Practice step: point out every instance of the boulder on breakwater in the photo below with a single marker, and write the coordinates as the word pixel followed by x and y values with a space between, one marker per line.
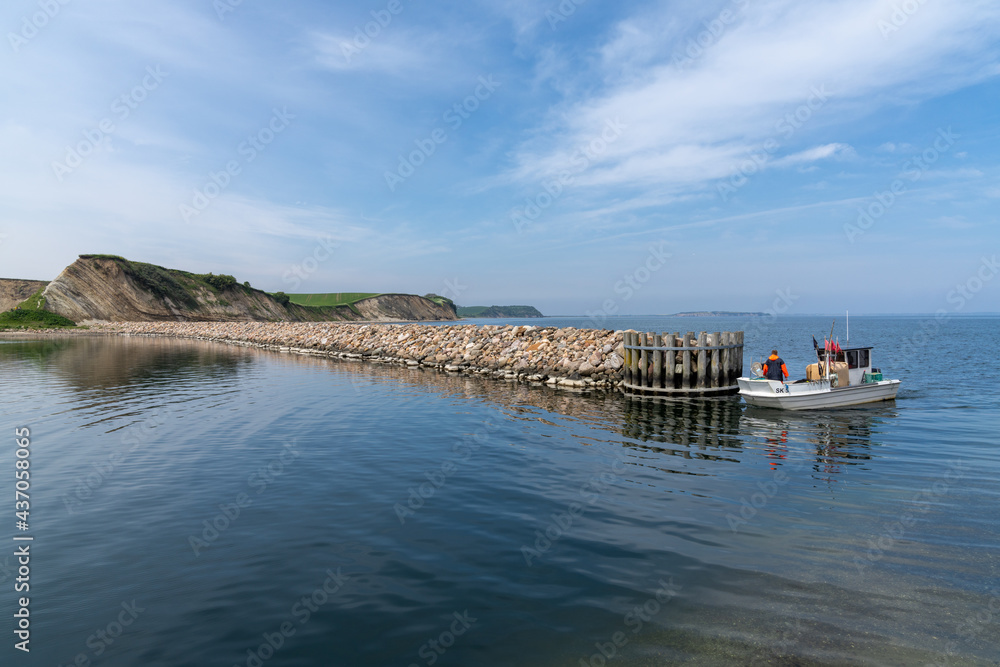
pixel 558 356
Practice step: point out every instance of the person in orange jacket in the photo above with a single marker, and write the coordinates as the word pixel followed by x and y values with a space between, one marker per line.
pixel 774 367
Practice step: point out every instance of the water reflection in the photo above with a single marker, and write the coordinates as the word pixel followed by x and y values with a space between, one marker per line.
pixel 702 428
pixel 745 591
pixel 707 429
pixel 104 362
pixel 836 438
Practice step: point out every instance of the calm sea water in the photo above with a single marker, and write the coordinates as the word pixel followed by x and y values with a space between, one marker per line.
pixel 198 504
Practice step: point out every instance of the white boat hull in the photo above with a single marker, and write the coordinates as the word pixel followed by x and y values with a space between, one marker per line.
pixel 813 395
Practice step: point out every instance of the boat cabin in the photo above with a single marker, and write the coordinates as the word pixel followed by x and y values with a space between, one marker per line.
pixel 856 361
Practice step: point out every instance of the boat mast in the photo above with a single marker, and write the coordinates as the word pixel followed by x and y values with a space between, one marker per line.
pixel 829 349
pixel 848 339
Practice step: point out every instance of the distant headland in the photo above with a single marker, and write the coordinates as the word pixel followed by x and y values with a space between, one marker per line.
pixel 498 311
pixel 718 313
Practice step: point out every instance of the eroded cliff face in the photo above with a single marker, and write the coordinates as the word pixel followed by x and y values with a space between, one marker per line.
pixel 390 307
pixel 13 292
pixel 103 289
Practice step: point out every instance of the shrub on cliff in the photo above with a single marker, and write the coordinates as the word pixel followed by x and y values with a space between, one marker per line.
pixel 100 256
pixel 220 282
pixel 158 281
pixel 281 298
pixel 438 299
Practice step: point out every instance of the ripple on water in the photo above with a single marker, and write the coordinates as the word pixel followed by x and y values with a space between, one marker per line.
pixel 550 517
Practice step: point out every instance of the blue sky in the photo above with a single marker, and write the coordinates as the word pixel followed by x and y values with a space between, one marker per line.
pixel 628 157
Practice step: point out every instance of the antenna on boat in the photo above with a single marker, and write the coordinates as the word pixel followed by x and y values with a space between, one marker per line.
pixel 829 350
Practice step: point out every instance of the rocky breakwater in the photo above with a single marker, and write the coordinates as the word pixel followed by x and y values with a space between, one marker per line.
pixel 566 357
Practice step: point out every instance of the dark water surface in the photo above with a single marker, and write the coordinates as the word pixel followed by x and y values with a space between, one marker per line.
pixel 462 521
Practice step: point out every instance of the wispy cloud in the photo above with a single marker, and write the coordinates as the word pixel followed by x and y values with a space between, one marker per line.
pixel 813 155
pixel 689 126
pixel 399 54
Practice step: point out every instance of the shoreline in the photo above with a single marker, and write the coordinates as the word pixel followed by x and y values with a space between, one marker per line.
pixel 562 357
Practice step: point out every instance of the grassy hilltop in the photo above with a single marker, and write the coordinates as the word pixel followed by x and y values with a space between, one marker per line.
pixel 110 288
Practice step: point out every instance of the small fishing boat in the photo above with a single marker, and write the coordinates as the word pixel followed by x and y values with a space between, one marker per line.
pixel 840 377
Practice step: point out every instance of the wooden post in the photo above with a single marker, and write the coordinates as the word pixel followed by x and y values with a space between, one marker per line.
pixel 678 361
pixel 724 360
pixel 627 368
pixel 669 362
pixel 643 361
pixel 716 360
pixel 736 357
pixel 636 379
pixel 710 361
pixel 686 363
pixel 702 361
pixel 739 368
pixel 634 365
pixel 658 362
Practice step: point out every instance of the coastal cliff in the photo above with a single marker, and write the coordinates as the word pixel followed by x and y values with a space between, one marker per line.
pixel 13 292
pixel 106 288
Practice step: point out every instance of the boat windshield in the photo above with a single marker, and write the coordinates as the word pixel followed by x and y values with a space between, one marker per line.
pixel 858 358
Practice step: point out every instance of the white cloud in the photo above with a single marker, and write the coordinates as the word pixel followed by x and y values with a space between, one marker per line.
pixel 688 126
pixel 902 147
pixel 397 54
pixel 813 155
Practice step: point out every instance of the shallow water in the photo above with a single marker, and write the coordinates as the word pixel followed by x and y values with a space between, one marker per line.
pixel 462 521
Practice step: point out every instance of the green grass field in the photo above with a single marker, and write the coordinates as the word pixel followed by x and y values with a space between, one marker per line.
pixel 33 319
pixel 332 299
pixel 29 315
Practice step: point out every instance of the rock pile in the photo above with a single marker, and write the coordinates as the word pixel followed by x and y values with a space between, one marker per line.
pixel 565 357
